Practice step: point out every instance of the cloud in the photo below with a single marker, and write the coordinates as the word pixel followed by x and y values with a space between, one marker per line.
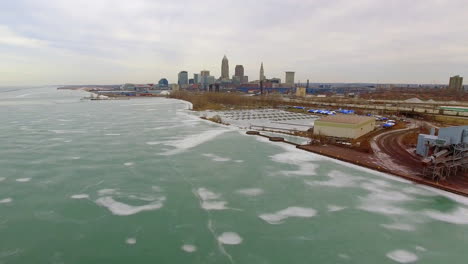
pixel 116 41
pixel 8 37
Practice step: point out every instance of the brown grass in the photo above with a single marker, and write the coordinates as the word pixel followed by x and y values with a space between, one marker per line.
pixel 220 101
pixel 411 139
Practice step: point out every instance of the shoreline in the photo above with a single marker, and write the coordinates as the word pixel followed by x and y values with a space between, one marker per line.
pixel 364 164
pixel 321 150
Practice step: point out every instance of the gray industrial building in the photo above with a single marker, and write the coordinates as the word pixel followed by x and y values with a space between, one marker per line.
pixel 445 154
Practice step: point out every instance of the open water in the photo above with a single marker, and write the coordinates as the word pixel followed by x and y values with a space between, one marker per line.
pixel 147 181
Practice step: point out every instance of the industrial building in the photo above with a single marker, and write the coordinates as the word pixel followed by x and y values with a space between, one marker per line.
pixel 445 154
pixel 344 126
pixel 300 91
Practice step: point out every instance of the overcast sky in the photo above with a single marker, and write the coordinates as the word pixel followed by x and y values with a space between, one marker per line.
pixel 141 41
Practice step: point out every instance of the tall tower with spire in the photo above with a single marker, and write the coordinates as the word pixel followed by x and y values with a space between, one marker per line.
pixel 225 68
pixel 262 73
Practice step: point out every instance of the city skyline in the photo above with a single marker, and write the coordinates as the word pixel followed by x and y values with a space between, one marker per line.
pixel 102 42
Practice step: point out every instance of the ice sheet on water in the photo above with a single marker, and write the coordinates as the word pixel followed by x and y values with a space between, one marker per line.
pixel 278 217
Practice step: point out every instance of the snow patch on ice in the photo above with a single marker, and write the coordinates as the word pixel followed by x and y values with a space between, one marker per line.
pixel 6 200
pixel 67 131
pixel 112 134
pixel 23 179
pixel 216 158
pixel 122 209
pixel 2 179
pixel 192 141
pixel 131 241
pixel 419 248
pixel 335 208
pixel 418 191
pixel 129 164
pixel 206 194
pixel 152 143
pixel 156 188
pixel 80 196
pixel 399 226
pixel 402 256
pixel 382 208
pixel 214 205
pixel 107 191
pixel 302 160
pixel 454 197
pixel 189 248
pixel 251 192
pixel 337 179
pixel 210 200
pixel 230 238
pixel 278 217
pixel 458 216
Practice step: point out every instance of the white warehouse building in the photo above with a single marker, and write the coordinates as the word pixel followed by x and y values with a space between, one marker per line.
pixel 344 126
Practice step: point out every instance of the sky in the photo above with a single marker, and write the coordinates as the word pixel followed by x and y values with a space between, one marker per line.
pixel 141 41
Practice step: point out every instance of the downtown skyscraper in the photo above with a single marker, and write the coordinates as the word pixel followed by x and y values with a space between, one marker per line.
pixel 225 68
pixel 262 73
